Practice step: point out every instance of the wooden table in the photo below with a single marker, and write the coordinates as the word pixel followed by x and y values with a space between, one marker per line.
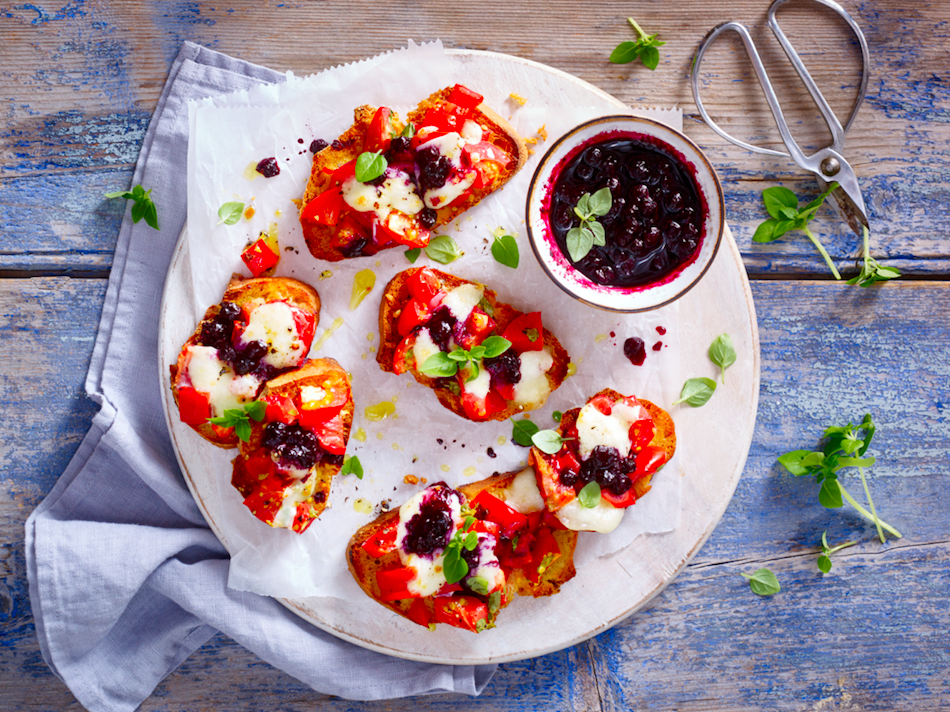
pixel 80 81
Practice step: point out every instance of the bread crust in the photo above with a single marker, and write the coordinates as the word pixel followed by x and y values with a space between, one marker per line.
pixel 250 293
pixel 350 145
pixel 395 297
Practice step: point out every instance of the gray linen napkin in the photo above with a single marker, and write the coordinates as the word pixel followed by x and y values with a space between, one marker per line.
pixel 126 580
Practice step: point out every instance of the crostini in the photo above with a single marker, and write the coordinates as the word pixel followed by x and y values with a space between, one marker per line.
pixel 459 556
pixel 484 359
pixel 610 450
pixel 263 327
pixel 384 183
pixel 285 467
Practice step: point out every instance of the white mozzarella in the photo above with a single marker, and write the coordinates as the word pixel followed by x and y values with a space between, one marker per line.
pixel 533 388
pixel 594 428
pixel 603 518
pixel 523 495
pixel 273 323
pixel 429 576
pixel 209 374
pixel 454 187
pixel 461 300
pixel 293 495
pixel 424 347
pixel 397 193
pixel 480 385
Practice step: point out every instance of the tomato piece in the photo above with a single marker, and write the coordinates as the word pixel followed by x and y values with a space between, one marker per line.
pixel 403 354
pixel 303 518
pixel 485 527
pixel 505 390
pixel 642 433
pixel 340 175
pixel 534 520
pixel 424 135
pixel 480 409
pixel 259 257
pixel 552 522
pixel 194 406
pixel 466 612
pixel 266 500
pixel 495 403
pixel 423 285
pixel 331 434
pixel 414 313
pixel 622 501
pixel 306 326
pixel 650 459
pixel 394 583
pixel 526 333
pixel 544 552
pixel 475 330
pixel 418 613
pixel 379 134
pixel 280 409
pixel 443 119
pixel 325 209
pixel 605 404
pixel 555 494
pixel 331 394
pixel 383 541
pixel 401 228
pixel 464 97
pixel 495 510
pixel 349 230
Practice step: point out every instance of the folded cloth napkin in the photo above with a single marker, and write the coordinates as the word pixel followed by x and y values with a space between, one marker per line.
pixel 126 579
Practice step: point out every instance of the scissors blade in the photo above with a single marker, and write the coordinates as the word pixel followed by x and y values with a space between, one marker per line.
pixel 848 199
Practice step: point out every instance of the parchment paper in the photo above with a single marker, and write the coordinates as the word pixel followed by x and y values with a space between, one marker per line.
pixel 421 437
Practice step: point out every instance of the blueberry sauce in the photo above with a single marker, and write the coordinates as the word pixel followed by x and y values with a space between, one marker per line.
pixel 217 333
pixel 268 167
pixel 635 350
pixel 317 145
pixel 294 445
pixel 430 530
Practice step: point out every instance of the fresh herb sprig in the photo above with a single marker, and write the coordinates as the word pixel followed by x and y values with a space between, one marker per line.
pixel 142 204
pixel 644 48
pixel 522 430
pixel 844 446
pixel 445 364
pixel 352 466
pixel 230 213
pixel 782 205
pixel 696 392
pixel 370 166
pixel 454 566
pixel 582 238
pixel 872 272
pixel 763 582
pixel 239 418
pixel 824 559
pixel 504 249
pixel 722 353
pixel 548 441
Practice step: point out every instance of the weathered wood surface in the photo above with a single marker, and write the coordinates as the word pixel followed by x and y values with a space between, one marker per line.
pixel 80 80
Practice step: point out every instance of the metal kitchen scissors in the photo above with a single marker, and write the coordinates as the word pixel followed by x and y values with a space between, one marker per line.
pixel 828 164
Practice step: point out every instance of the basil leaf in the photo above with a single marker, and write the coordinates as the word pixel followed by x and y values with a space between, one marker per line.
pixel 352 466
pixel 230 213
pixel 722 353
pixel 439 365
pixel 256 409
pixel 478 584
pixel 477 352
pixel 830 494
pixel 460 355
pixel 579 242
pixel 600 235
pixel 765 232
pixel 763 583
pixel 589 496
pixel 792 461
pixel 242 429
pixel 547 441
pixel 650 57
pixel 522 430
pixel 120 194
pixel 776 198
pixel 824 564
pixel 625 52
pixel 454 566
pixel 697 392
pixel 412 254
pixel 495 346
pixel 505 251
pixel 470 541
pixel 443 249
pixel 473 370
pixel 600 202
pixel 370 166
pixel 557 415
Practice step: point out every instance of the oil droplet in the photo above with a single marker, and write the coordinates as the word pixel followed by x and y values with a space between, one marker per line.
pixel 395 399
pixel 337 323
pixel 502 440
pixel 469 472
pixel 445 468
pixel 363 506
pixel 251 171
pixel 325 274
pixel 278 213
pixel 363 356
pixel 600 337
pixel 372 349
pixel 480 460
pixel 379 436
pixel 571 369
pixel 249 212
pixel 380 411
pixel 378 263
pixel 370 336
pixel 395 446
pixel 360 435
pixel 363 283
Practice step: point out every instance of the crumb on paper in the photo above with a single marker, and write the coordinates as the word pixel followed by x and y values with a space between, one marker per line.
pixel 411 480
pixel 297 201
pixel 543 132
pixel 517 99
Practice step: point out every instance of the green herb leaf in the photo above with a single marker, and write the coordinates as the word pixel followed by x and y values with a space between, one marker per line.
pixel 370 166
pixel 256 409
pixel 579 242
pixel 478 584
pixel 763 582
pixel 522 430
pixel 625 52
pixel 600 202
pixel 495 346
pixel 230 213
pixel 454 566
pixel 494 602
pixel 352 466
pixel 792 461
pixel 643 48
pixel 697 392
pixel 777 199
pixel 238 418
pixel 589 496
pixel 443 249
pixel 824 564
pixel 142 206
pixel 439 365
pixel 765 232
pixel 505 251
pixel 830 494
pixel 871 272
pixel 412 254
pixel 547 441
pixel 722 353
pixel 557 415
pixel 650 56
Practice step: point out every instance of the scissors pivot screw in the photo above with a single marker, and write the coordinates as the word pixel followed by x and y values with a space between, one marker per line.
pixel 830 166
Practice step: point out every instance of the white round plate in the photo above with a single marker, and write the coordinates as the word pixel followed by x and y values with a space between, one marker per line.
pixel 713 442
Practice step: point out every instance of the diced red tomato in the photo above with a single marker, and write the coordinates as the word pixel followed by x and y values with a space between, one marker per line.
pixel 466 612
pixel 605 404
pixel 480 408
pixel 280 409
pixel 650 459
pixel 414 313
pixel 418 613
pixel 379 135
pixel 194 406
pixel 619 501
pixel 464 97
pixel 543 553
pixel 339 175
pixel 497 511
pixel 350 229
pixel 475 330
pixel 526 333
pixel 494 402
pixel 336 393
pixel 505 390
pixel 555 494
pixel 259 257
pixel 423 285
pixel 382 542
pixel 443 119
pixel 552 522
pixel 485 527
pixel 534 520
pixel 394 583
pixel 325 209
pixel 401 228
pixel 266 499
pixel 260 463
pixel 642 432
pixel 448 589
pixel 303 517
pixel 402 354
pixel 566 460
pixel 306 326
pixel 331 434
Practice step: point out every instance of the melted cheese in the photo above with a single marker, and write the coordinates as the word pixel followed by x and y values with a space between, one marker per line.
pixel 594 428
pixel 456 186
pixel 209 374
pixel 460 179
pixel 397 193
pixel 523 495
pixel 461 300
pixel 480 385
pixel 472 131
pixel 293 496
pixel 273 323
pixel 603 518
pixel 533 388
pixel 429 576
pixel 423 347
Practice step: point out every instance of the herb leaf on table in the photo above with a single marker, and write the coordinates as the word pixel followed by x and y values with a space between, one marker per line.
pixel 722 353
pixel 872 272
pixel 230 213
pixel 763 582
pixel 644 48
pixel 696 392
pixel 824 559
pixel 505 249
pixel 142 204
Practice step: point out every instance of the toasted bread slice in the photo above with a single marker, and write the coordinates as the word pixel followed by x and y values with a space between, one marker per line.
pixel 364 566
pixel 247 294
pixel 397 296
pixel 336 238
pixel 556 495
pixel 285 494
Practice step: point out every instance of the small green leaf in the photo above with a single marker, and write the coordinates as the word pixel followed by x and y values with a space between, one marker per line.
pixel 142 206
pixel 650 57
pixel 600 202
pixel 460 355
pixel 370 166
pixel 443 249
pixel 522 430
pixel 120 194
pixel 230 213
pixel 625 52
pixel 600 235
pixel 439 365
pixel 547 441
pixel 495 346
pixel 256 409
pixel 792 461
pixel 763 583
pixel 765 232
pixel 579 242
pixel 454 566
pixel 830 494
pixel 505 251
pixel 557 415
pixel 478 585
pixel 777 198
pixel 582 209
pixel 412 254
pixel 697 392
pixel 824 564
pixel 352 466
pixel 722 353
pixel 589 496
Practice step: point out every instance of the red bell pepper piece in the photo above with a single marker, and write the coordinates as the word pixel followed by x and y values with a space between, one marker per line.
pixel 379 135
pixel 280 409
pixel 526 333
pixel 495 510
pixel 259 257
pixel 464 97
pixel 466 612
pixel 383 541
pixel 325 209
pixel 394 583
pixel 194 406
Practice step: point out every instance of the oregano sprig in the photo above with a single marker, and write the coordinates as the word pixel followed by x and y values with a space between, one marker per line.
pixel 872 272
pixel 445 364
pixel 644 48
pixel 824 559
pixel 454 566
pixel 142 204
pixel 239 418
pixel 582 238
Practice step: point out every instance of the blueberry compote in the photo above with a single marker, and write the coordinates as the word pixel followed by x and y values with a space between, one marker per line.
pixel 294 445
pixel 656 217
pixel 217 333
pixel 429 531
